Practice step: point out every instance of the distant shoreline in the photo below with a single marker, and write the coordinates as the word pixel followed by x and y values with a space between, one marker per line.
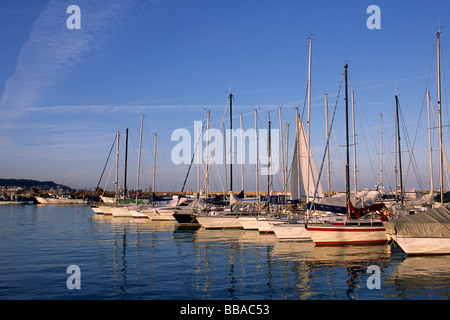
pixel 30 183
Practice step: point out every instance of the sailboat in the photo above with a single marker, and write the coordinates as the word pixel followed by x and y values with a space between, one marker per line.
pixel 368 229
pixel 295 228
pixel 304 181
pixel 110 202
pixel 427 231
pixel 134 211
pixel 304 168
pixel 122 210
pixel 228 218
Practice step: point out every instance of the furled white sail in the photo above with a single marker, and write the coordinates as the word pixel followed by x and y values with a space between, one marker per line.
pixel 300 169
pixel 295 180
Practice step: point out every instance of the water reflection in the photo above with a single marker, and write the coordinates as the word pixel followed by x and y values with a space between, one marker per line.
pixel 134 252
pixel 158 260
pixel 337 272
pixel 424 277
pixel 126 258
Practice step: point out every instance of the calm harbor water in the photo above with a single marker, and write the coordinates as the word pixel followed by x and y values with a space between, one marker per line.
pixel 126 258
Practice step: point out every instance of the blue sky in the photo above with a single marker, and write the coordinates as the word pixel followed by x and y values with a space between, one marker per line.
pixel 65 93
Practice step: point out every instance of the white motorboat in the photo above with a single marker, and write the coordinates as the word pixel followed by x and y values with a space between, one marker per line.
pixel 61 199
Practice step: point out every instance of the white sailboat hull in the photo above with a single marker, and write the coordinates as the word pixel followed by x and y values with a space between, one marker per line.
pixel 165 214
pixel 106 210
pixel 136 214
pixel 156 214
pixel 422 246
pixel 97 210
pixel 336 234
pixel 249 223
pixel 291 231
pixel 120 212
pixel 219 222
pixel 265 225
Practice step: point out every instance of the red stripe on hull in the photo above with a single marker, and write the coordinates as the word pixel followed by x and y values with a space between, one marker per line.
pixel 346 229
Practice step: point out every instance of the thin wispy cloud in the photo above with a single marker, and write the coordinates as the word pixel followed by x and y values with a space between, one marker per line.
pixel 52 50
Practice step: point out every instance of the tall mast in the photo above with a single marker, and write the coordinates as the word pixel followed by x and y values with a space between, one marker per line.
pixel 309 115
pixel 381 148
pixel 256 151
pixel 231 142
pixel 282 148
pixel 207 156
pixel 242 152
pixel 269 163
pixel 328 146
pixel 286 166
pixel 225 157
pixel 154 165
pixel 297 151
pixel 399 149
pixel 126 164
pixel 441 158
pixel 347 164
pixel 139 161
pixel 396 159
pixel 429 142
pixel 354 143
pixel 199 155
pixel 117 168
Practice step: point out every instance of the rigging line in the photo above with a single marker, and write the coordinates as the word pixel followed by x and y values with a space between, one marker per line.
pixel 328 139
pixel 165 160
pixel 443 52
pixel 214 149
pixel 109 176
pixel 415 135
pixel 339 154
pixel 220 178
pixel 101 176
pixel 422 107
pixel 358 114
pixel 289 168
pixel 304 101
pixel 444 78
pixel 443 146
pixel 112 168
pixel 284 167
pixel 190 164
pixel 121 166
pixel 412 162
pixel 262 138
pixel 217 167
